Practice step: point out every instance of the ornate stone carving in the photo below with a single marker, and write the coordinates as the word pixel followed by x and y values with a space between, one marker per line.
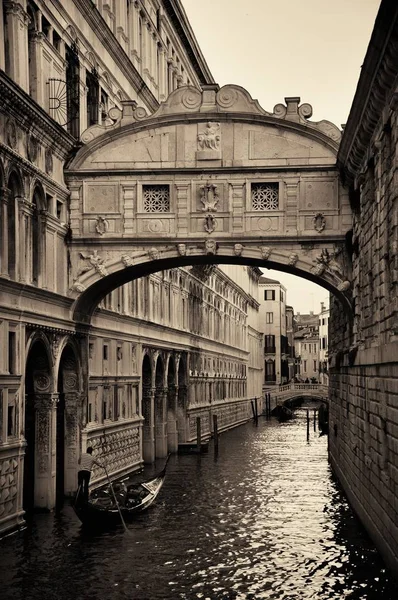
pixel 325 261
pixel 95 261
pixel 11 133
pixel 127 260
pixel 344 286
pixel 191 98
pixel 182 249
pixel 293 258
pixel 114 115
pixel 210 138
pixel 209 197
pixel 55 343
pixel 45 402
pixel 48 159
pixel 209 223
pixel 153 253
pixel 32 148
pixel 211 247
pixel 42 382
pixel 319 222
pixel 266 252
pixel 238 248
pixel 101 225
pixel 78 287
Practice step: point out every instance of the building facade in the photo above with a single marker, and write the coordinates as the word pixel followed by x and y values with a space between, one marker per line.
pixel 162 350
pixel 323 344
pixel 273 322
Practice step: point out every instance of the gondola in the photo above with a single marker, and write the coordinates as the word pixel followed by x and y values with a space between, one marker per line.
pixel 131 496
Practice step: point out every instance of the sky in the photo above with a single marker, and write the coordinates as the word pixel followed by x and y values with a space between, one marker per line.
pixel 313 49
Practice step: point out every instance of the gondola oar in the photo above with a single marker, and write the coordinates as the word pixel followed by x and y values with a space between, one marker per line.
pixel 114 496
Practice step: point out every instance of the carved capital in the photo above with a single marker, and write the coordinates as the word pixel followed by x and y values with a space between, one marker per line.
pixel 46 402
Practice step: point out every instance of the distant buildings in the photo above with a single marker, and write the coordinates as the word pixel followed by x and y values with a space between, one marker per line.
pixel 272 296
pixel 323 345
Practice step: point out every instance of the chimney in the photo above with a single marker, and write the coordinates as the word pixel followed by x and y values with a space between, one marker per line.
pixel 322 306
pixel 311 313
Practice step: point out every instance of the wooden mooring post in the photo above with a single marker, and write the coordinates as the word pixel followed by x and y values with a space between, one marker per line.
pixel 314 419
pixel 215 432
pixel 198 434
pixel 308 424
pixel 253 411
pixel 256 409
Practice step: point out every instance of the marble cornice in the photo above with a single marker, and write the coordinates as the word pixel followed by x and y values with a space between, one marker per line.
pixel 181 24
pixel 374 91
pixel 110 43
pixel 30 116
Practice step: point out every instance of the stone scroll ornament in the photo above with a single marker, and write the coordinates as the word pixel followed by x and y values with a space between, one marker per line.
pixel 209 197
pixel 209 223
pixel 101 225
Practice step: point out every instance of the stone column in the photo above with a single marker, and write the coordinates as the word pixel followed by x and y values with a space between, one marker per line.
pixel 73 419
pixel 172 430
pixel 36 82
pixel 43 276
pixel 148 411
pixel 25 214
pixel 45 449
pixel 162 74
pixel 4 200
pixel 16 33
pixel 160 423
pixel 182 420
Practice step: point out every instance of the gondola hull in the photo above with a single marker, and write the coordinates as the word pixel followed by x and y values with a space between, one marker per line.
pixel 131 498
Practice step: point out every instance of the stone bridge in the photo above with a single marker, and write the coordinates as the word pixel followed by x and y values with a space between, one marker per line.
pixel 291 391
pixel 211 177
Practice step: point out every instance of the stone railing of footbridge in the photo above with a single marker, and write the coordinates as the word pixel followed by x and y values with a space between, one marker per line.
pixel 289 391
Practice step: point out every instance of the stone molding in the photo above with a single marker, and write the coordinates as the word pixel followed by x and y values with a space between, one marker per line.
pixel 375 88
pixel 213 105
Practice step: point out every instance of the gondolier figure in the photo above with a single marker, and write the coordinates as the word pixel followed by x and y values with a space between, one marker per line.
pixel 86 462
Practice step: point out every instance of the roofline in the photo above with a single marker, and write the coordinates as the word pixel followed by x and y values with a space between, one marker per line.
pixel 378 73
pixel 178 17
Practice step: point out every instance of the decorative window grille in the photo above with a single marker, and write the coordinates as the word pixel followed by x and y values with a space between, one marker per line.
pixel 265 196
pixel 156 198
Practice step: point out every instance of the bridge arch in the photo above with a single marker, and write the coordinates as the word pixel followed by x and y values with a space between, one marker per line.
pixel 209 178
pixel 103 278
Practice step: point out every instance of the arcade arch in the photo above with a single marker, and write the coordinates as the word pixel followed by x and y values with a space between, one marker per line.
pixel 52 417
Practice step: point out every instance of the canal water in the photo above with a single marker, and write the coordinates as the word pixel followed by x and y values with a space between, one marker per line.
pixel 265 518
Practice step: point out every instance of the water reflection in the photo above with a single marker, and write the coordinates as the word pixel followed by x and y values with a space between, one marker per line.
pixel 262 519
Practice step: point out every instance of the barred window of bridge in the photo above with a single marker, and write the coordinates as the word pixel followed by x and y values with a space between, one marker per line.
pixel 156 198
pixel 265 196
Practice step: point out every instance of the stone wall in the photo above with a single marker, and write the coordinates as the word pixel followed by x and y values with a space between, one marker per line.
pixel 363 442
